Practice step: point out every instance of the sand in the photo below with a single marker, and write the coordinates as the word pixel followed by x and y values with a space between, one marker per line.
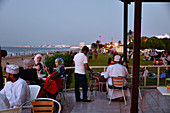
pixel 18 60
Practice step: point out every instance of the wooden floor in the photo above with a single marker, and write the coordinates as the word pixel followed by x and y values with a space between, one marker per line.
pixel 152 102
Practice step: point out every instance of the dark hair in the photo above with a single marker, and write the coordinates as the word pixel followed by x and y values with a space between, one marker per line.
pixel 50 69
pixel 40 65
pixel 85 48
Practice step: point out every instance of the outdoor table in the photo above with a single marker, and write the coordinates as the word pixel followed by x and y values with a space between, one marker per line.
pixel 163 90
pixel 41 76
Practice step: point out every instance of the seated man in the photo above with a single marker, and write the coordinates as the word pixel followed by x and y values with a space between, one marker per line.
pixel 16 89
pixel 114 71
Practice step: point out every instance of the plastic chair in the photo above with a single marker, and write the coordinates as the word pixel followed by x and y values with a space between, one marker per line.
pixel 34 90
pixel 118 83
pixel 12 110
pixel 44 105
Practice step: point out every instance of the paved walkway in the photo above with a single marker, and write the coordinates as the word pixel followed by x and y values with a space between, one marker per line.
pixel 153 102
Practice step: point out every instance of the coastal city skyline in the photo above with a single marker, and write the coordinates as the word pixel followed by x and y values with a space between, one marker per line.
pixel 68 22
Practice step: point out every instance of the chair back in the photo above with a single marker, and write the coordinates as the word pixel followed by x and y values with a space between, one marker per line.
pixel 34 90
pixel 118 81
pixel 44 105
pixel 12 110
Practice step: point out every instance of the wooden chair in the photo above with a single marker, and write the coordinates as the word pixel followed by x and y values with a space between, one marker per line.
pixel 118 83
pixel 44 105
pixel 12 110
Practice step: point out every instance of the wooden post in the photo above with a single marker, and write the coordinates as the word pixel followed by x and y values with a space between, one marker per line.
pixel 1 76
pixel 158 76
pixel 136 56
pixel 125 29
pixel 145 78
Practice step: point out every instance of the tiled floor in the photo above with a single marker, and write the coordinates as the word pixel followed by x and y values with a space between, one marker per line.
pixel 153 102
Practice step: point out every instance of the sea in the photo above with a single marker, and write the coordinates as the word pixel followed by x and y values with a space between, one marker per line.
pixel 14 51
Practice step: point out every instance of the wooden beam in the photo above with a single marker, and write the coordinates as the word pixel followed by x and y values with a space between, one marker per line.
pixel 136 56
pixel 125 30
pixel 1 76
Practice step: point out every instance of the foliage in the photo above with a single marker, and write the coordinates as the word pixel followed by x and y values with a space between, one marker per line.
pixel 153 43
pixel 94 45
pixel 68 61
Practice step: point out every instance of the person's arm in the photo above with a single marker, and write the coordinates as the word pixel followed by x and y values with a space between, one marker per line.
pixel 73 62
pixel 87 67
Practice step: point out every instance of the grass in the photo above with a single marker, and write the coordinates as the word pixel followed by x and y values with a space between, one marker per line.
pixel 103 61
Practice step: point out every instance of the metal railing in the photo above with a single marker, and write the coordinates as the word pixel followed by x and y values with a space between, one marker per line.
pixel 130 68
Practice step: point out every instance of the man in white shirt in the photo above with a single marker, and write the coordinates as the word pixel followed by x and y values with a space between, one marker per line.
pixel 16 89
pixel 81 63
pixel 114 71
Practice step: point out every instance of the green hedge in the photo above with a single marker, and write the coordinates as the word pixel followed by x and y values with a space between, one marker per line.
pixel 68 61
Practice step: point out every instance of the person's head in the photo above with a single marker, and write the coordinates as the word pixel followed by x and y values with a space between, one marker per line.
pixel 38 58
pixel 85 50
pixel 117 59
pixel 12 72
pixel 28 64
pixel 59 62
pixel 50 70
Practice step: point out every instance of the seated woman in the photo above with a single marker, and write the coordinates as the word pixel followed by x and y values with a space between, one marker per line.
pixel 52 84
pixel 38 62
pixel 28 73
pixel 59 63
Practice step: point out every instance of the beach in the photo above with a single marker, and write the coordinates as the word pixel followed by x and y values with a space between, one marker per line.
pixel 18 60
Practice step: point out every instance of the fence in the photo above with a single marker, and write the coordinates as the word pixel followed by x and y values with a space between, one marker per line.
pixel 159 67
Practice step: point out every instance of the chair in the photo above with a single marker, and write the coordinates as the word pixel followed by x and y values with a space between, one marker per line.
pixel 118 83
pixel 12 110
pixel 63 91
pixel 34 90
pixel 167 79
pixel 44 105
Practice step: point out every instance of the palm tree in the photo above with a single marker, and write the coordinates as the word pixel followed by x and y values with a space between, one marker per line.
pixel 97 42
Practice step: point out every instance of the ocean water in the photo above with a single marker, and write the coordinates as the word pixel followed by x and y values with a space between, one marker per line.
pixel 14 51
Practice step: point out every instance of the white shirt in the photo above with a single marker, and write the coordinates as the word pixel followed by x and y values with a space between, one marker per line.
pixel 115 71
pixel 4 103
pixel 80 59
pixel 16 92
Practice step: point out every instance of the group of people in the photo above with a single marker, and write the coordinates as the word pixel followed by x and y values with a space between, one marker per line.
pixel 16 91
pixel 81 63
pixel 91 55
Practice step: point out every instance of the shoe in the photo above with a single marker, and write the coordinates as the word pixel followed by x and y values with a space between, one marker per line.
pixel 78 100
pixel 86 100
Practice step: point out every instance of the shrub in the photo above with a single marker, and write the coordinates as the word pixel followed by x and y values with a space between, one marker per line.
pixel 68 61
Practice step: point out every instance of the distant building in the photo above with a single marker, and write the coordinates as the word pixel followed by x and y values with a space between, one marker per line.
pixel 81 44
pixel 161 36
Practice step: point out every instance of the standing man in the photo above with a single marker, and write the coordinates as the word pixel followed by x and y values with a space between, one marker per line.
pixel 81 63
pixel 16 89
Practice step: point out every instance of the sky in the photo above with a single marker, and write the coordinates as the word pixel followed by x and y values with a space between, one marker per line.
pixel 69 22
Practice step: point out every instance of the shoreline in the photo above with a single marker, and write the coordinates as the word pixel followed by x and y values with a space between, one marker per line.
pixel 18 60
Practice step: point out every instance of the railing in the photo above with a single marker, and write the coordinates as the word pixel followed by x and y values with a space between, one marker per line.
pixel 130 68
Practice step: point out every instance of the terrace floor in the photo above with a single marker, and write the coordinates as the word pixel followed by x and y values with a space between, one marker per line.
pixel 153 102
